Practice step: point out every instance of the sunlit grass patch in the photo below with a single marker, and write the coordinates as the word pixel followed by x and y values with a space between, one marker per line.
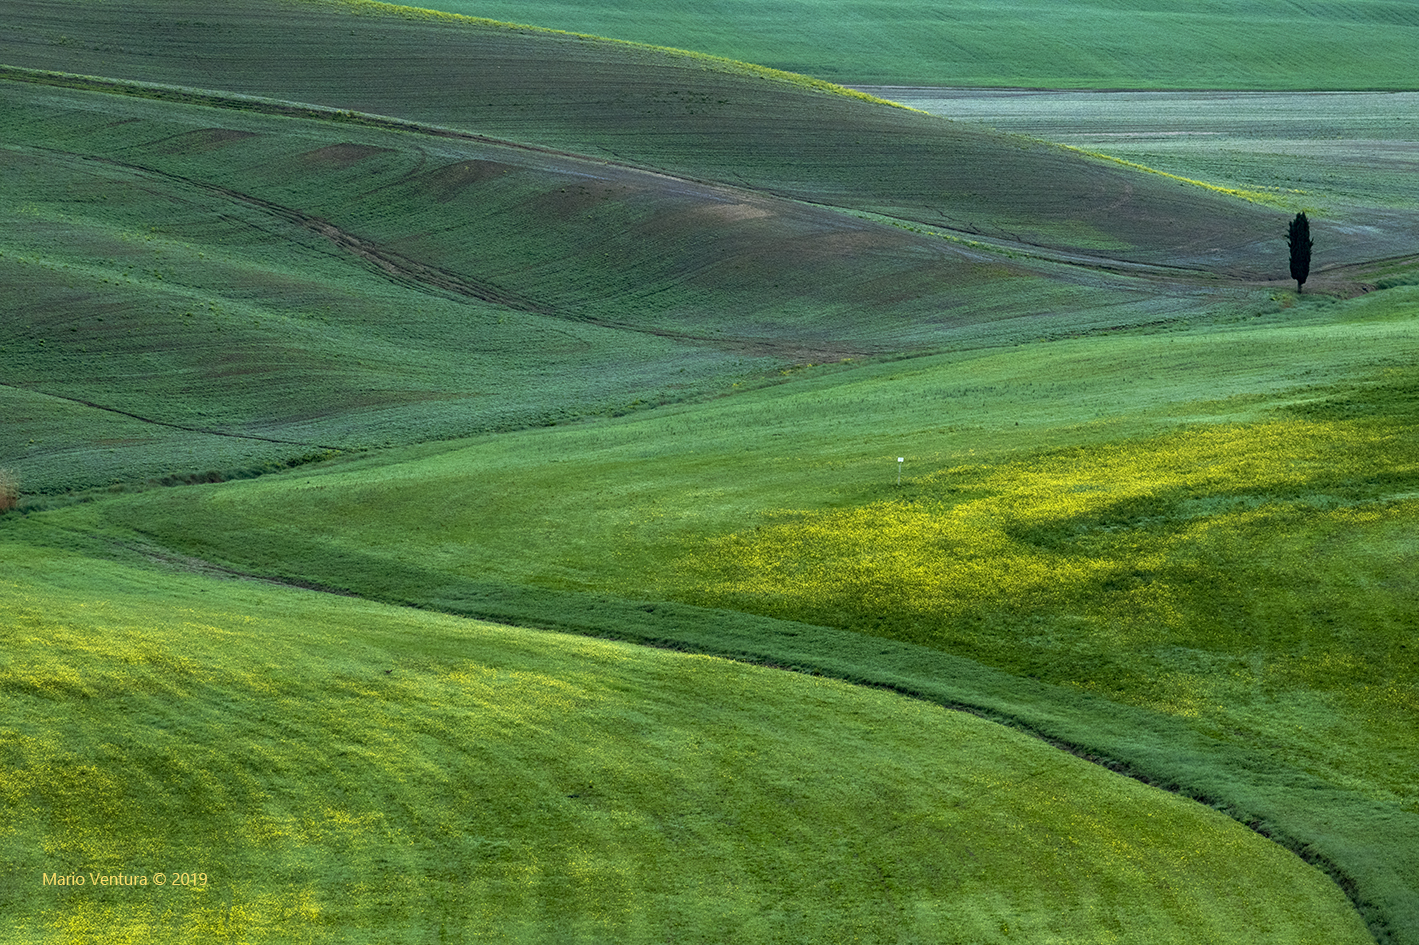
pixel 1256 578
pixel 1065 529
pixel 716 63
pixel 342 770
pixel 1285 198
pixel 1024 44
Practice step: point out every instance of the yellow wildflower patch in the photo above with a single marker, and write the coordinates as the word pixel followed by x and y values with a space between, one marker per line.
pixel 1101 534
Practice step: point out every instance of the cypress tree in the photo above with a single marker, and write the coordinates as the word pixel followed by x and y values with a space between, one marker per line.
pixel 1299 239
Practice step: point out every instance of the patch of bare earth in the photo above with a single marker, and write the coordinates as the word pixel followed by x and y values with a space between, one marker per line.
pixel 342 155
pixel 451 180
pixel 203 140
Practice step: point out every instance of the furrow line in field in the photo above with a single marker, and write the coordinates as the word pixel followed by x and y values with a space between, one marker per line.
pixel 984 705
pixel 249 103
pixel 401 268
pixel 1403 259
pixel 237 102
pixel 173 426
pixel 414 274
pixel 411 273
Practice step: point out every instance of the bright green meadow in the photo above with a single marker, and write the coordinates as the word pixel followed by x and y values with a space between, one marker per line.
pixel 329 765
pixel 467 482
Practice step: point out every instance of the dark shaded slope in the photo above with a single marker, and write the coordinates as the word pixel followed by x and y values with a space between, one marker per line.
pixel 688 115
pixel 192 288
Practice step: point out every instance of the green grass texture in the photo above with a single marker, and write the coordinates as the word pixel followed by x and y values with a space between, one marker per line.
pixel 1328 153
pixel 333 769
pixel 1202 528
pixel 687 115
pixel 295 286
pixel 208 291
pixel 1258 44
pixel 514 325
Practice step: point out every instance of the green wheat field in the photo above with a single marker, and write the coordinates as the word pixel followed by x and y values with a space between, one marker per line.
pixel 799 472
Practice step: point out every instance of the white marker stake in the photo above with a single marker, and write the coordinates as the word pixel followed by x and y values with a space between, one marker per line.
pixel 900 460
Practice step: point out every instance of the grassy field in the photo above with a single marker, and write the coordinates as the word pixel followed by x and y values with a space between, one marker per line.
pixel 1259 44
pixel 334 769
pixel 440 285
pixel 1157 519
pixel 1335 153
pixel 296 287
pixel 574 335
pixel 708 120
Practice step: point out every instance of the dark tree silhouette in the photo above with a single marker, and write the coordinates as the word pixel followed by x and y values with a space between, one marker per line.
pixel 1299 239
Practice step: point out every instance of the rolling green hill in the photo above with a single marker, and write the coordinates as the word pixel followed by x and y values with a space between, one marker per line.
pixel 573 334
pixel 329 770
pixel 296 286
pixel 397 276
pixel 690 116
pixel 1203 530
pixel 1256 44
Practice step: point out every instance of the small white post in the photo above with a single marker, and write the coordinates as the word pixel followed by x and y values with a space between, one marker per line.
pixel 900 460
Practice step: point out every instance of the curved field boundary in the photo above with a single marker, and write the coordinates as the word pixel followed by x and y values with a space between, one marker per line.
pixel 236 101
pixel 718 63
pixel 1245 44
pixel 175 426
pixel 1370 849
pixel 1286 806
pixel 401 775
pixel 396 266
pixel 409 272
